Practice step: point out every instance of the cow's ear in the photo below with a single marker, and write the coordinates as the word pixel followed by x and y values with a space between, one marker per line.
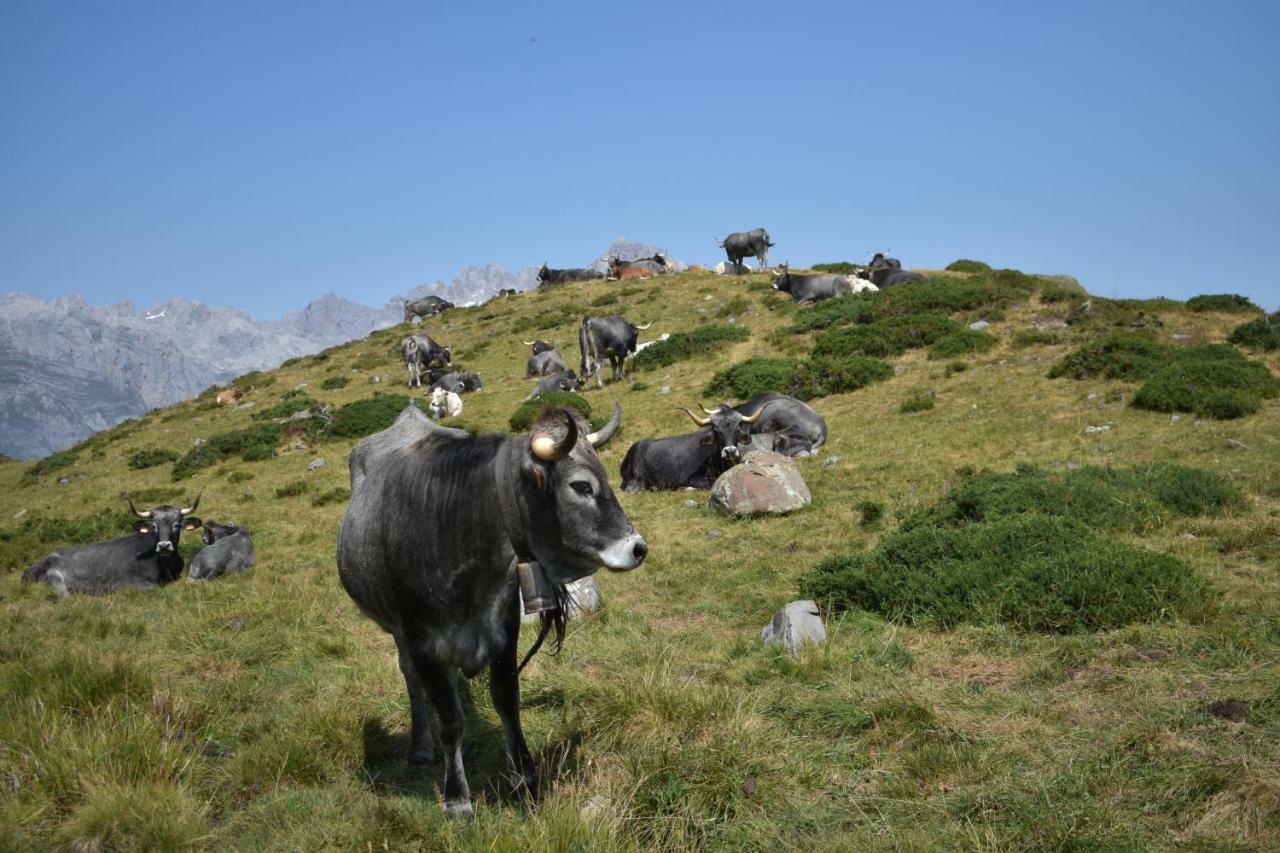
pixel 191 522
pixel 708 440
pixel 143 527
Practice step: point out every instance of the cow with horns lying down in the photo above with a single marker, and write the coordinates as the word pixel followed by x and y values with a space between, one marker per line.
pixel 445 530
pixel 545 361
pixel 694 459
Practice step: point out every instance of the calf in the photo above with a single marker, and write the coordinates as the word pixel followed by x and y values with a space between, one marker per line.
pixel 227 548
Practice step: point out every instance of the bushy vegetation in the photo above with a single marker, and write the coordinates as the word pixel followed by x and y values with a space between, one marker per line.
pixel 253 444
pixel 151 457
pixel 1226 303
pixel 887 337
pixel 1260 334
pixel 526 414
pixel 367 416
pixel 293 490
pixel 963 342
pixel 333 383
pixel 753 377
pixel 1120 355
pixel 802 379
pixel 919 401
pixel 1024 338
pixel 253 379
pixel 954 367
pixel 837 267
pixel 53 462
pixel 966 265
pixel 1028 571
pixel 704 340
pixel 330 497
pixel 372 361
pixel 291 403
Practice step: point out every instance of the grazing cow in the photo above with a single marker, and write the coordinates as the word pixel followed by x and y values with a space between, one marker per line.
pixel 419 351
pixel 606 337
pixel 565 380
pixel 656 265
pixel 229 395
pixel 545 361
pixel 444 404
pixel 694 459
pixel 548 276
pixel 807 288
pixel 443 529
pixel 227 548
pixel 147 557
pixel 747 244
pixel 791 427
pixel 462 382
pixel 427 306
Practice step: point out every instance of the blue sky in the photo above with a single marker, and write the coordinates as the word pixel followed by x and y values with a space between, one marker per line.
pixel 259 154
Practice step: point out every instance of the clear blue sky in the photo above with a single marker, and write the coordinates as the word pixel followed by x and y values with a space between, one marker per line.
pixel 257 154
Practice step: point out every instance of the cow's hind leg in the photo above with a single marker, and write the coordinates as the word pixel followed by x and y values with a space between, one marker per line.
pixel 504 687
pixel 442 689
pixel 421 749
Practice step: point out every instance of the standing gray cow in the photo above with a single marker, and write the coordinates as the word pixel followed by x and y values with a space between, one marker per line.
pixel 427 306
pixel 227 548
pixel 442 530
pixel 747 244
pixel 609 337
pixel 419 351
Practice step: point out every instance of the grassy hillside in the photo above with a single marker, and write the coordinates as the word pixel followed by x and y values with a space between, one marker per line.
pixel 262 711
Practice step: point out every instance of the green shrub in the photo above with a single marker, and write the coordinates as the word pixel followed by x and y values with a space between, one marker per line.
pixel 820 377
pixel 956 367
pixel 333 496
pixel 920 401
pixel 1030 572
pixel 1226 303
pixel 604 299
pixel 294 401
pixel 856 308
pixel 966 265
pixel 292 490
pixel 53 462
pixel 752 377
pixel 253 444
pixel 240 477
pixel 1225 388
pixel 871 511
pixel 701 341
pixel 837 267
pixel 523 418
pixel 891 336
pixel 1120 355
pixel 333 383
pixel 253 379
pixel 1034 337
pixel 367 416
pixel 1260 334
pixel 150 458
pixel 963 342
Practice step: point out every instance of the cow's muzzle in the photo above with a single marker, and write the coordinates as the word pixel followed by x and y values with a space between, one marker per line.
pixel 164 547
pixel 625 554
pixel 730 453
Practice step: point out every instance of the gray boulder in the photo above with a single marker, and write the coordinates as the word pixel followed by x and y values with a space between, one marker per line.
pixel 793 626
pixel 766 483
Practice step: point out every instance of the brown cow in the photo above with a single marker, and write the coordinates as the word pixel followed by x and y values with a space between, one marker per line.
pixel 635 272
pixel 230 395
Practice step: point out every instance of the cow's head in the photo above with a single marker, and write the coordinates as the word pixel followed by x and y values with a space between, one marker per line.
pixel 543 275
pixel 568 381
pixel 214 531
pixel 166 524
pixel 615 267
pixel 782 281
pixel 730 432
pixel 409 346
pixel 539 347
pixel 575 521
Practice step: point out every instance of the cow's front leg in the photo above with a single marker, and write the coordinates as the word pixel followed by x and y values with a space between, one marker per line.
pixel 421 749
pixel 504 687
pixel 442 689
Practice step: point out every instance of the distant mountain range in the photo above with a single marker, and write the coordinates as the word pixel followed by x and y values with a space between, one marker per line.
pixel 69 369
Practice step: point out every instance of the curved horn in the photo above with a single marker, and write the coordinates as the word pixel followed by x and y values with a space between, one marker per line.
pixel 697 420
pixel 195 503
pixel 754 417
pixel 705 409
pixel 546 448
pixel 598 439
pixel 645 326
pixel 528 343
pixel 136 512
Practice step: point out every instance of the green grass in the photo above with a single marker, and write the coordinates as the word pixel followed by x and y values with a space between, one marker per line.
pixel 1260 334
pixel 527 413
pixel 262 711
pixel 966 265
pixel 151 457
pixel 963 342
pixel 253 444
pixel 333 383
pixel 695 343
pixel 53 462
pixel 291 403
pixel 919 401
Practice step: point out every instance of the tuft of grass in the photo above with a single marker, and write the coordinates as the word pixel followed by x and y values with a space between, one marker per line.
pixel 1120 355
pixel 1225 303
pixel 1260 334
pixel 753 377
pixel 966 265
pixel 253 379
pixel 527 413
pixel 1029 572
pixel 919 401
pixel 294 489
pixel 702 341
pixel 372 361
pixel 955 367
pixel 53 462
pixel 40 535
pixel 735 307
pixel 837 267
pixel 333 496
pixel 291 403
pixel 367 416
pixel 151 457
pixel 1024 338
pixel 333 383
pixel 1222 388
pixel 963 342
pixel 253 444
pixel 871 512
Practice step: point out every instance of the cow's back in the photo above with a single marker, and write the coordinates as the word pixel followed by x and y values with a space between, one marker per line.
pixel 102 567
pixel 232 553
pixel 410 425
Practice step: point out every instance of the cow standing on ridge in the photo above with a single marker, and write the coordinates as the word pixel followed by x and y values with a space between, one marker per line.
pixel 747 244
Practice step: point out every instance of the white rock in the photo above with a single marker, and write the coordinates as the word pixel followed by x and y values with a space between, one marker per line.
pixel 584 596
pixel 979 325
pixel 832 460
pixel 315 463
pixel 795 625
pixel 1098 428
pixel 20 513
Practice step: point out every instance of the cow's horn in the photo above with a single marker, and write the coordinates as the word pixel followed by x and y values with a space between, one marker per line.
pixel 528 343
pixel 705 409
pixel 195 503
pixel 754 417
pixel 136 511
pixel 697 420
pixel 598 439
pixel 645 326
pixel 545 446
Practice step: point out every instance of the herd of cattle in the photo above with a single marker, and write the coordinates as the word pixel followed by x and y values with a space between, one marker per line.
pixel 448 537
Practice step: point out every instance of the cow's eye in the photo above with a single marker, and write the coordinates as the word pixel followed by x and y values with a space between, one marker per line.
pixel 581 487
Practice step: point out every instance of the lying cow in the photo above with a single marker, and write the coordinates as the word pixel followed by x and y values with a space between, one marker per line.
pixel 694 459
pixel 227 548
pixel 886 272
pixel 789 426
pixel 427 306
pixel 723 268
pixel 807 288
pixel 229 395
pixel 609 337
pixel 419 352
pixel 444 404
pixel 459 382
pixel 548 276
pixel 565 380
pixel 656 265
pixel 442 529
pixel 147 557
pixel 545 361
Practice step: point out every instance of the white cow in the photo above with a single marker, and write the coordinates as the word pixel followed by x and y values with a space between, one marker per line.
pixel 444 404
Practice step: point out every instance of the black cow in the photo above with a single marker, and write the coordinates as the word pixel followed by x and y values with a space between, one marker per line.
pixel 459 382
pixel 419 352
pixel 147 557
pixel 227 548
pixel 790 427
pixel 565 380
pixel 606 337
pixel 442 530
pixel 879 260
pixel 538 346
pixel 657 265
pixel 547 276
pixel 886 272
pixel 427 306
pixel 747 244
pixel 694 459
pixel 806 288
pixel 505 292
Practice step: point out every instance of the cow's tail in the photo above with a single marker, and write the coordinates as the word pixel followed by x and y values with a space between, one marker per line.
pixel 584 335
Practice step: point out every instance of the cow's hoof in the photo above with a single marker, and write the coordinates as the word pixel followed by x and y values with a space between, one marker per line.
pixel 422 757
pixel 525 786
pixel 459 811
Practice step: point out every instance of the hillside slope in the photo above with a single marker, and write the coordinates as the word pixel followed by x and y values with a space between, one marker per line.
pixel 263 711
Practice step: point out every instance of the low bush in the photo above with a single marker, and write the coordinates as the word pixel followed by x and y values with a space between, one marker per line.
pixel 333 496
pixel 367 416
pixel 837 267
pixel 604 299
pixel 735 307
pixel 53 462
pixel 1035 337
pixel 1223 388
pixel 701 341
pixel 240 477
pixel 1260 334
pixel 1226 303
pixel 920 401
pixel 956 367
pixel 253 379
pixel 857 308
pixel 333 383
pixel 804 380
pixel 523 418
pixel 891 336
pixel 292 490
pixel 966 265
pixel 871 512
pixel 294 401
pixel 372 361
pixel 1030 572
pixel 752 377
pixel 252 445
pixel 150 458
pixel 963 342
pixel 1120 355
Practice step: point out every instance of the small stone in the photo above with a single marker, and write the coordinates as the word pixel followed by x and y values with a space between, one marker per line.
pixel 708 298
pixel 1237 444
pixel 1232 710
pixel 795 625
pixel 20 513
pixel 748 786
pixel 376 379
pixel 690 504
pixel 300 386
pixel 664 390
pixel 596 807
pixel 1098 428
pixel 315 463
pixel 1093 395
pixel 832 460
pixel 1189 537
pixel 584 596
pixel 62 481
pixel 196 442
pixel 1173 419
pixel 248 405
pixel 979 325
pixel 713 534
